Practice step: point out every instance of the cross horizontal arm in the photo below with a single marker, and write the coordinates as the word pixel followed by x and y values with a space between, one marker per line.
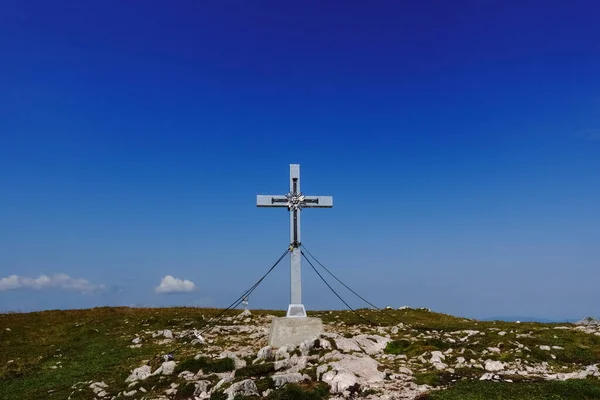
pixel 318 202
pixel 271 201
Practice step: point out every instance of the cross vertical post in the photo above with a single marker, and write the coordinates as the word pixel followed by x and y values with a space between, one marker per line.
pixel 295 201
pixel 295 256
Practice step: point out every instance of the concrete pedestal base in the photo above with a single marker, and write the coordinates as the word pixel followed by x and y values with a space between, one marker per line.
pixel 293 331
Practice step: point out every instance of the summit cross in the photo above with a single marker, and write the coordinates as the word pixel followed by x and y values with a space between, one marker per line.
pixel 295 201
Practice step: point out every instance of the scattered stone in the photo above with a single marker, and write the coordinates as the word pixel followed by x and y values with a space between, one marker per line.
pixel 493 366
pixel 372 344
pixel 139 374
pixel 486 377
pixel 201 388
pixel 324 344
pixel 167 368
pixel 222 382
pixel 588 321
pixel 340 381
pixel 98 389
pixel 282 353
pixel 294 377
pixel 266 353
pixel 437 360
pixel 244 388
pixel 306 346
pixel 322 369
pixel 347 345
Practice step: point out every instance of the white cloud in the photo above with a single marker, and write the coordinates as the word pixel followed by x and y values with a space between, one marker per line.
pixel 170 284
pixel 57 281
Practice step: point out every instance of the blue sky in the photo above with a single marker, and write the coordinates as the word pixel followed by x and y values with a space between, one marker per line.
pixel 460 140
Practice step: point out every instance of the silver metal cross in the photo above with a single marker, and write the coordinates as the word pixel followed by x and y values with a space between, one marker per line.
pixel 295 201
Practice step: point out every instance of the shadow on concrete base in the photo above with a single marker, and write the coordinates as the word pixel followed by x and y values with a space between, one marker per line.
pixel 293 331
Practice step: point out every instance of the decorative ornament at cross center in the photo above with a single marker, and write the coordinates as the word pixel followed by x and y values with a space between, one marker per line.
pixel 295 201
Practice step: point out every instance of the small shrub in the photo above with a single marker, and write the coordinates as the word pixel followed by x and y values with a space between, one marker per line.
pixel 185 391
pixel 397 347
pixel 255 370
pixel 220 395
pixel 264 384
pixel 293 391
pixel 207 365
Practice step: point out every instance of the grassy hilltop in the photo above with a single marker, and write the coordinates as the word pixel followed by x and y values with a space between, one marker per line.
pixel 61 354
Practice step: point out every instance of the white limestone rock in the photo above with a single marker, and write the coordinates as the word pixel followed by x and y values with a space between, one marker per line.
pixel 244 388
pixel 98 388
pixel 588 321
pixel 139 374
pixel 306 346
pixel 282 364
pixel 362 366
pixel 321 369
pixel 201 387
pixel 324 344
pixel 347 345
pixel 493 366
pixel 486 377
pixel 372 344
pixel 172 390
pixel 437 360
pixel 294 377
pixel 340 381
pixel 266 353
pixel 282 353
pixel 166 368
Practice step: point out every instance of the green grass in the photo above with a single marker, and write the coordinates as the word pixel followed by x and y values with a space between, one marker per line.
pixel 90 344
pixel 413 349
pixel 485 390
pixel 94 345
